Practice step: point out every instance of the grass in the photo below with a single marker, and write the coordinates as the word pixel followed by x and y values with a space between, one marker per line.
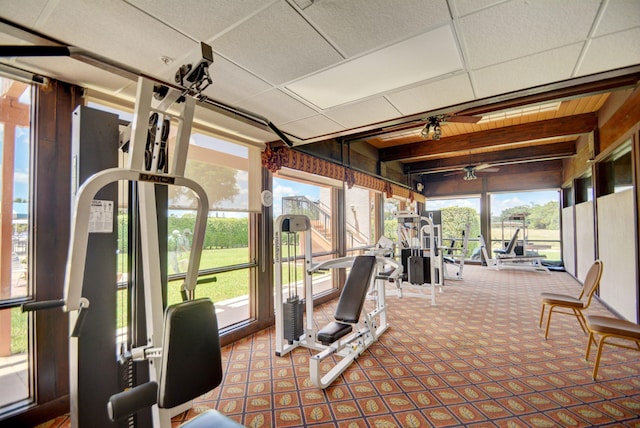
pixel 534 236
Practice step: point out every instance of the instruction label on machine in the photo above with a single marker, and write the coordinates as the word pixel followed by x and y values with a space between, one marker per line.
pixel 101 217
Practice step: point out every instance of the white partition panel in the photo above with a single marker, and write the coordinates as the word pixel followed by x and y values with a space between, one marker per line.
pixel 616 226
pixel 568 255
pixel 585 239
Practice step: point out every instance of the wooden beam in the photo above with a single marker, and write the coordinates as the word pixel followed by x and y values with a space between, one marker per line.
pixel 560 127
pixel 546 152
pixel 624 119
pixel 532 176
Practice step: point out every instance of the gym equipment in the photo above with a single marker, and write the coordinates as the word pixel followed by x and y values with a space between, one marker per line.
pixel 149 166
pixel 507 258
pixel 421 254
pixel 337 339
pixel 190 365
pixel 454 256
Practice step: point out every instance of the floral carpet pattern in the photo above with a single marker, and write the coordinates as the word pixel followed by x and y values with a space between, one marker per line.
pixel 477 358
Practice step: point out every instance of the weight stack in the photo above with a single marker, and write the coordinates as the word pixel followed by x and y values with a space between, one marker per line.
pixel 292 315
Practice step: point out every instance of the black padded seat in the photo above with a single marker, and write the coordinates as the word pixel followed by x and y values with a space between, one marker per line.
pixel 351 300
pixel 191 366
pixel 333 332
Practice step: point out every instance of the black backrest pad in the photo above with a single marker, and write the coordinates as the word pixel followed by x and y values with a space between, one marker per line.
pixel 191 360
pixel 355 289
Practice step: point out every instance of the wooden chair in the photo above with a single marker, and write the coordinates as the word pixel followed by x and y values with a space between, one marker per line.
pixel 608 327
pixel 575 304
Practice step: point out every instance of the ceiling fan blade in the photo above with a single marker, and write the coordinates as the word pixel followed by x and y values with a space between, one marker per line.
pixel 464 119
pixel 482 166
pixel 453 173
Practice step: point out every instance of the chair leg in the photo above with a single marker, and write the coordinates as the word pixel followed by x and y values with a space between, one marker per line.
pixel 581 320
pixel 591 340
pixel 541 315
pixel 597 363
pixel 546 332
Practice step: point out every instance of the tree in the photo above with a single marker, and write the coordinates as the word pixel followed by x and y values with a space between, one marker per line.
pixel 219 183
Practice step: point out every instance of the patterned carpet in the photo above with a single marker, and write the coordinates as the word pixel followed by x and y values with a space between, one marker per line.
pixel 475 359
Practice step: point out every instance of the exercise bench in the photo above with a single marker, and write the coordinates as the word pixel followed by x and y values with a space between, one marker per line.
pixel 338 336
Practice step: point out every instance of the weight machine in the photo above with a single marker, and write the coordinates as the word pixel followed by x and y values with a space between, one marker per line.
pixel 421 254
pixel 157 106
pixel 454 256
pixel 345 338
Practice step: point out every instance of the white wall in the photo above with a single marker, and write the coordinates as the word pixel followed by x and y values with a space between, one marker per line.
pixel 616 245
pixel 585 239
pixel 568 255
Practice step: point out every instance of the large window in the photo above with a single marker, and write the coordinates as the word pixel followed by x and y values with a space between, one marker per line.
pixel 300 193
pixel 16 384
pixel 459 215
pixel 615 174
pixel 360 218
pixel 222 168
pixel 537 216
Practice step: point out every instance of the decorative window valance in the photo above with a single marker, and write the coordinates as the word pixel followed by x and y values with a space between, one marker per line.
pixel 275 158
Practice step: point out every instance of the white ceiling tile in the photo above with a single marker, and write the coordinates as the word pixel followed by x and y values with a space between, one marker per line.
pixel 611 52
pixel 277 106
pixel 118 31
pixel 76 72
pixel 231 83
pixel 200 19
pixel 521 27
pixel 533 70
pixel 311 127
pixel 619 15
pixel 277 45
pixel 364 113
pixel 465 7
pixel 402 64
pixel 433 95
pixel 357 26
pixel 24 12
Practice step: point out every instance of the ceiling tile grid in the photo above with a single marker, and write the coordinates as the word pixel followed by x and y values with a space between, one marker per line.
pixel 619 15
pixel 433 95
pixel 25 12
pixel 612 51
pixel 245 85
pixel 202 20
pixel 358 26
pixel 277 106
pixel 277 45
pixel 526 72
pixel 519 28
pixel 115 30
pixel 363 113
pixel 312 126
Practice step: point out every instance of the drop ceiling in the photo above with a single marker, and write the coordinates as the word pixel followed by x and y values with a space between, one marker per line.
pixel 320 69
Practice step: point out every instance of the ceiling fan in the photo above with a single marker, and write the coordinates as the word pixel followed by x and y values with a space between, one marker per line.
pixel 432 124
pixel 469 171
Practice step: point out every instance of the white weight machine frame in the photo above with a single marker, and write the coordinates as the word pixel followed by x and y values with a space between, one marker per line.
pixel 74 302
pixel 348 348
pixel 453 259
pixel 430 246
